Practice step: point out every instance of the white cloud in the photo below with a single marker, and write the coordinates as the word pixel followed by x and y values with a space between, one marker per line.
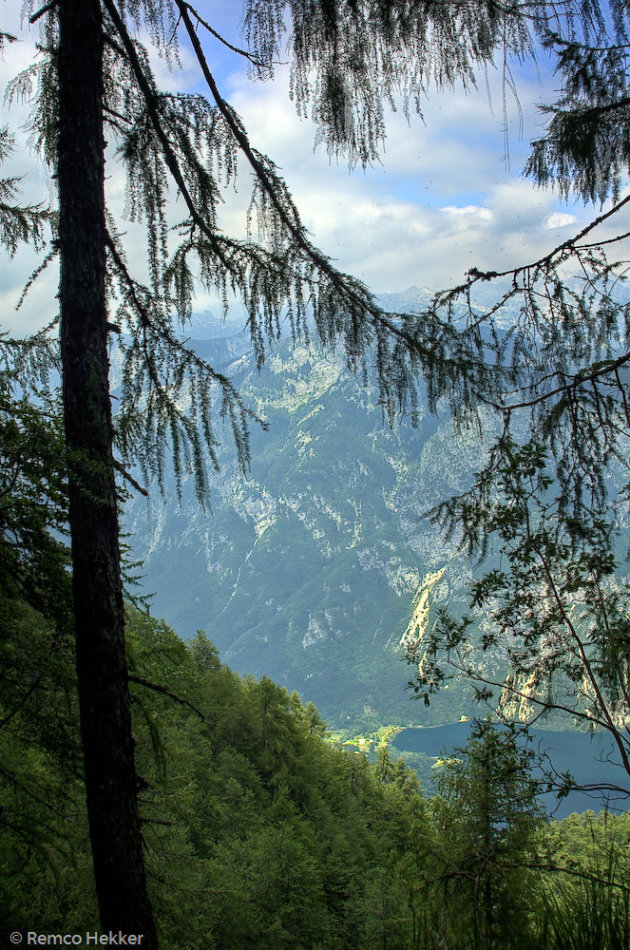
pixel 470 211
pixel 560 219
pixel 388 225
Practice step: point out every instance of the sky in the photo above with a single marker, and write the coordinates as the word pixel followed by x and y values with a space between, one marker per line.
pixel 443 199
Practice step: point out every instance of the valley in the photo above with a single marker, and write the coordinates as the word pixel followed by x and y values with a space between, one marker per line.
pixel 313 567
pixel 305 568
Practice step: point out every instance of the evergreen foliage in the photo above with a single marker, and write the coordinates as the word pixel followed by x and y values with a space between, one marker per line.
pixel 486 791
pixel 33 503
pixel 18 223
pixel 258 830
pixel 261 832
pixel 349 61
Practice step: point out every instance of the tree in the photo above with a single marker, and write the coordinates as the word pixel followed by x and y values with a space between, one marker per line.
pixel 40 755
pixel 486 818
pixel 555 614
pixel 348 59
pixel 548 364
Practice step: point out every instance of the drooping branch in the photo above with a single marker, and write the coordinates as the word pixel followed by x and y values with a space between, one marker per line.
pixel 43 11
pixel 291 221
pixel 129 478
pixel 155 333
pixel 169 155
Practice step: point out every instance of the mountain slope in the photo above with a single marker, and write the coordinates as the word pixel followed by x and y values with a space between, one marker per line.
pixel 306 570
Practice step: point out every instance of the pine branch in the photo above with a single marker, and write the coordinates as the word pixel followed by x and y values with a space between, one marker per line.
pixel 169 155
pixel 475 276
pixel 348 290
pixel 576 382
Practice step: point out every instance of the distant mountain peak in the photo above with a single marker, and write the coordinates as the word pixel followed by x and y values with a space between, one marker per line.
pixel 413 298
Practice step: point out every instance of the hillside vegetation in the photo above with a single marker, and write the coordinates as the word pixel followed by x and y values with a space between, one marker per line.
pixel 260 832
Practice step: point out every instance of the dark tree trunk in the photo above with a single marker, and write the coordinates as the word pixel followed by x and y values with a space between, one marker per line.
pixel 110 775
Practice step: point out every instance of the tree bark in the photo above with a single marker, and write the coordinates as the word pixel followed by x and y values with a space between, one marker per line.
pixel 110 775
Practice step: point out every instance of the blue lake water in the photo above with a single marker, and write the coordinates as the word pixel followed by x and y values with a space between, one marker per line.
pixel 585 756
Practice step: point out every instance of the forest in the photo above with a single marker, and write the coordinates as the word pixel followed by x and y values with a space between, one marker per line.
pixel 146 789
pixel 260 831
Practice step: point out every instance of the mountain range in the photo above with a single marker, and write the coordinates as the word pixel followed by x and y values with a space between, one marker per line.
pixel 306 569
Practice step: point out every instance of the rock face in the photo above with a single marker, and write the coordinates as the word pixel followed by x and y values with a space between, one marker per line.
pixel 306 570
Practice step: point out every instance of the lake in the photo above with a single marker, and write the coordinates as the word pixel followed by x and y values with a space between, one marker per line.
pixel 583 754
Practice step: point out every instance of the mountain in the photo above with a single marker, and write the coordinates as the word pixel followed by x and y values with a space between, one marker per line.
pixel 306 569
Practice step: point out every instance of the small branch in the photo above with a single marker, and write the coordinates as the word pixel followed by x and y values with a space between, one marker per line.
pixel 235 49
pixel 597 244
pixel 113 112
pixel 45 9
pixel 128 477
pixel 23 701
pixel 40 801
pixel 575 383
pixel 572 872
pixel 585 661
pixel 598 110
pixel 477 677
pixel 166 692
pixel 474 275
pixel 131 287
pixel 161 822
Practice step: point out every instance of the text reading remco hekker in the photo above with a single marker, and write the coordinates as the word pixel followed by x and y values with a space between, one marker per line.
pixel 94 939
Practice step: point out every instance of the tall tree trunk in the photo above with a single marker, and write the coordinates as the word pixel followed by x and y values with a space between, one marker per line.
pixel 110 776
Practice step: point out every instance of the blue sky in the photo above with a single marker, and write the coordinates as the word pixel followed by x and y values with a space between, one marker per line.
pixel 443 199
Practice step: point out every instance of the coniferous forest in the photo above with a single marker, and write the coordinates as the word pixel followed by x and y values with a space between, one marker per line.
pixel 151 796
pixel 261 832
